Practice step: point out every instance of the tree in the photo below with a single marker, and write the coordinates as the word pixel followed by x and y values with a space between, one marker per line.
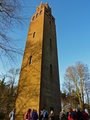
pixel 76 79
pixel 3 98
pixel 8 91
pixel 66 100
pixel 9 17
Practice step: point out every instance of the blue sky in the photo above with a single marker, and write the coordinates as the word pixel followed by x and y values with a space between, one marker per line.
pixel 73 31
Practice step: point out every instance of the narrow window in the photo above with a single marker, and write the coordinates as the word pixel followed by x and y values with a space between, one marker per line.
pixel 30 60
pixel 34 34
pixel 41 12
pixel 46 11
pixel 50 23
pixel 33 18
pixel 51 69
pixel 50 44
pixel 36 15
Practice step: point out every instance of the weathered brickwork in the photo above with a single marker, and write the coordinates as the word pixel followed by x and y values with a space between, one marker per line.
pixel 39 77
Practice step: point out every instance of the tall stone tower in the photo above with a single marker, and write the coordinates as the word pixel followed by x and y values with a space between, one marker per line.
pixel 39 77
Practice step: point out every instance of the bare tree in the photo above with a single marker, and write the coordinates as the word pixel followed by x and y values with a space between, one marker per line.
pixel 76 78
pixel 9 18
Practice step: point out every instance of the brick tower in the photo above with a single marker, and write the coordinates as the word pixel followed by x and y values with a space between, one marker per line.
pixel 39 77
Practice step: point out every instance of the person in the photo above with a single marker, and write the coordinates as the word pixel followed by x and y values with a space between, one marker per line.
pixel 28 115
pixel 74 114
pixel 45 114
pixel 51 114
pixel 62 115
pixel 12 115
pixel 70 115
pixel 79 114
pixel 34 115
pixel 41 115
pixel 85 115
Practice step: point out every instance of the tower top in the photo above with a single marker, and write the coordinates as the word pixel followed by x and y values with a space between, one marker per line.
pixel 43 7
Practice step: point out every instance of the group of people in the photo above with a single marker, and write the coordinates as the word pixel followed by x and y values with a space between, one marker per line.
pixel 44 115
pixel 31 115
pixel 74 114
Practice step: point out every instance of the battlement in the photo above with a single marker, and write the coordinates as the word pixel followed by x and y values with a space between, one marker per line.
pixel 45 6
pixel 42 8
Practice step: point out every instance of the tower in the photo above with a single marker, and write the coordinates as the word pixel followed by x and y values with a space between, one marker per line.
pixel 39 77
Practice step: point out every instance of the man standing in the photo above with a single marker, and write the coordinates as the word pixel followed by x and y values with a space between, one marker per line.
pixel 12 115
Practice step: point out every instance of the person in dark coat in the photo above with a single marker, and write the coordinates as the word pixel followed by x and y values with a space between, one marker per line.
pixel 28 115
pixel 79 115
pixel 34 115
pixel 62 115
pixel 85 115
pixel 51 115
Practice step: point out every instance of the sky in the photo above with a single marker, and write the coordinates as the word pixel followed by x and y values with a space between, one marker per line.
pixel 72 18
